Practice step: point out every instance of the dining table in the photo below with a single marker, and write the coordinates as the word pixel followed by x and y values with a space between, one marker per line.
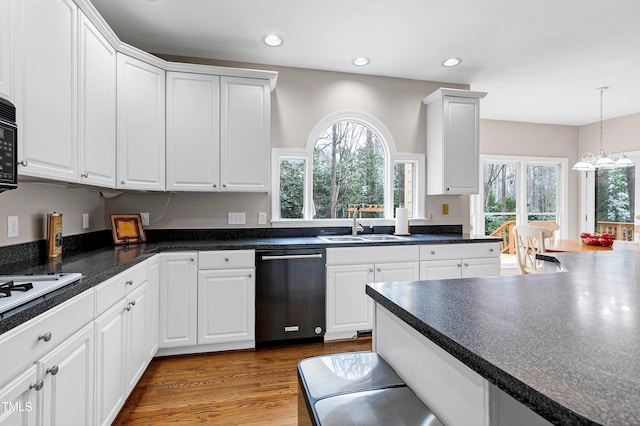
pixel 568 245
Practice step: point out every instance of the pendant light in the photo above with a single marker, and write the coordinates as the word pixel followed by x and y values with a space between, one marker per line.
pixel 590 162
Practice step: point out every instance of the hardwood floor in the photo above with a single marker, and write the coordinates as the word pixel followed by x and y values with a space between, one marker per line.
pixel 252 387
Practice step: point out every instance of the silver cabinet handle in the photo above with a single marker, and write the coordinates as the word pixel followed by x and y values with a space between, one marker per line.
pixel 85 175
pixel 293 256
pixel 53 370
pixel 129 282
pixel 45 337
pixel 37 385
pixel 24 163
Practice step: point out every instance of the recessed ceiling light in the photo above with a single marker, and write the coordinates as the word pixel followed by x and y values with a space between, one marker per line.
pixel 451 62
pixel 272 40
pixel 360 61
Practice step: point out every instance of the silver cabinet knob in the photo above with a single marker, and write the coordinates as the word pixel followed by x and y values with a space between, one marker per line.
pixel 129 282
pixel 466 265
pixel 215 186
pixel 191 259
pixel 24 163
pixel 127 308
pixel 490 250
pixel 379 269
pixel 226 259
pixel 123 182
pixel 45 337
pixel 459 265
pixel 250 275
pixel 37 385
pixel 85 175
pixel 132 303
pixel 224 186
pixel 53 370
pixel 370 269
pixel 433 253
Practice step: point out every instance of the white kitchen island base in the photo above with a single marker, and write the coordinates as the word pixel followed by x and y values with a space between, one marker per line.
pixel 456 394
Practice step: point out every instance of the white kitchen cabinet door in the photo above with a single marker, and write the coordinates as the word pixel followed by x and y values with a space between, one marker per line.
pixel 349 309
pixel 402 271
pixel 97 108
pixel 6 51
pixel 153 294
pixel 453 153
pixel 178 299
pixel 18 398
pixel 440 269
pixel 140 149
pixel 193 132
pixel 489 267
pixel 245 116
pixel 226 305
pixel 46 76
pixel 111 351
pixel 136 313
pixel 68 376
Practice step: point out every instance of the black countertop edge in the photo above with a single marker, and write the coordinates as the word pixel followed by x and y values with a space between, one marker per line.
pixel 544 406
pixel 98 265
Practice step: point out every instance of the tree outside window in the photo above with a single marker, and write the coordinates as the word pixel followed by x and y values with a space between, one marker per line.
pixel 348 170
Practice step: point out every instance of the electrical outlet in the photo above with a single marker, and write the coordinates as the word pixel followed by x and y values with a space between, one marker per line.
pixel 236 218
pixel 430 217
pixel 12 226
pixel 85 220
pixel 262 218
pixel 144 216
pixel 445 209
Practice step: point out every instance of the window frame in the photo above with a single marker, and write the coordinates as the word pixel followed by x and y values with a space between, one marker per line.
pixel 306 154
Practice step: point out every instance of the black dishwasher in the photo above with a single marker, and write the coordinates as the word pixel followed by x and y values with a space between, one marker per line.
pixel 290 296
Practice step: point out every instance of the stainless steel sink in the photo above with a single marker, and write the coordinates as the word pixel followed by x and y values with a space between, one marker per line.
pixel 361 238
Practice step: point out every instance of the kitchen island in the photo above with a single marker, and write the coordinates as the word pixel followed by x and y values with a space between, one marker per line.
pixel 561 347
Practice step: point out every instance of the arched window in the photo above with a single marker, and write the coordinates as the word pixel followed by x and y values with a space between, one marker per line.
pixel 350 160
pixel 348 171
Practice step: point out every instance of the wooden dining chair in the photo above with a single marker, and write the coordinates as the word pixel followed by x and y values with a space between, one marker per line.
pixel 529 241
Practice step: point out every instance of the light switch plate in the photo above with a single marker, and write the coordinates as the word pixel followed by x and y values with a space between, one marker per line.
pixel 262 218
pixel 12 226
pixel 144 216
pixel 236 218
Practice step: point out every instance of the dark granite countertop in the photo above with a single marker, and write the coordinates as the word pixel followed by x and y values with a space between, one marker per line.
pixel 565 344
pixel 99 264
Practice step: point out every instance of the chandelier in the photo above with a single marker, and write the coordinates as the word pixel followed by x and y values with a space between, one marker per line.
pixel 590 162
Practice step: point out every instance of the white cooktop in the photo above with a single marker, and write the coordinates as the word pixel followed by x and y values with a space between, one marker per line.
pixel 42 284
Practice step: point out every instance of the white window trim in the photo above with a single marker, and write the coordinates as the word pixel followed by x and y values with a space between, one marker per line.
pixel 563 178
pixel 391 157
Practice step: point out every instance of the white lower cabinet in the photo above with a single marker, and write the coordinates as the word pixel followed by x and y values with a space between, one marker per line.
pixel 226 306
pixel 178 299
pixel 459 261
pixel 349 308
pixel 48 373
pixel 207 304
pixel 18 398
pixel 68 381
pixel 122 349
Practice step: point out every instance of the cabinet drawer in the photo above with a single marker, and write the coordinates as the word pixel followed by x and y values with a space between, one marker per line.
pixel 226 259
pixel 114 289
pixel 377 254
pixel 29 341
pixel 459 251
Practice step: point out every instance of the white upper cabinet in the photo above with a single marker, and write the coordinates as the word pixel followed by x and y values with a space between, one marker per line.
pixel 453 156
pixel 141 125
pixel 6 51
pixel 97 108
pixel 244 134
pixel 193 132
pixel 46 75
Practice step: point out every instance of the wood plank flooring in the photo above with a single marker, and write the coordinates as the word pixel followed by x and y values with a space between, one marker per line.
pixel 251 387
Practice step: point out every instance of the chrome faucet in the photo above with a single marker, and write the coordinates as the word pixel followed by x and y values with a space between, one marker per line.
pixel 356 226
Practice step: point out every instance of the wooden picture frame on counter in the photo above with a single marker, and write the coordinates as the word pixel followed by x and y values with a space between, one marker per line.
pixel 127 229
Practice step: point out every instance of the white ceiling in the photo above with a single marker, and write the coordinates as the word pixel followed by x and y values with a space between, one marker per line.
pixel 540 60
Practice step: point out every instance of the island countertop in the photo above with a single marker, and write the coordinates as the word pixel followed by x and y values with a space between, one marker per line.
pixel 566 345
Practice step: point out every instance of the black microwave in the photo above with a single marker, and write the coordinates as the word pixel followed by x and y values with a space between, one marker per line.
pixel 8 146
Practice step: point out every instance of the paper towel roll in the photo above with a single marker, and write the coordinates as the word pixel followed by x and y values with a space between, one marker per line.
pixel 402 221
